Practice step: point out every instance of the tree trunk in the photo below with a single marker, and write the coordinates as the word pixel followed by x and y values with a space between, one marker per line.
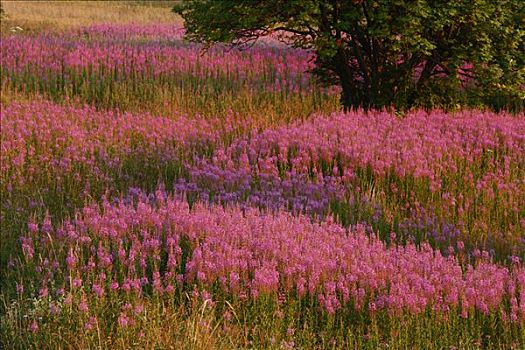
pixel 349 95
pixel 346 95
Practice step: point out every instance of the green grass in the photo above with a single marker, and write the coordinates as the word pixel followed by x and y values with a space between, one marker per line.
pixel 185 322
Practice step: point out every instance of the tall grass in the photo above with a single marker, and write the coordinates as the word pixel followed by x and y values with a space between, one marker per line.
pixel 114 270
pixel 155 196
pixel 109 67
pixel 37 16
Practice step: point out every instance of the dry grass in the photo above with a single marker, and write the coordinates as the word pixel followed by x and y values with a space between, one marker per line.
pixel 59 15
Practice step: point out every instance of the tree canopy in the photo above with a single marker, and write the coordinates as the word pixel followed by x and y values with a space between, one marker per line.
pixel 384 52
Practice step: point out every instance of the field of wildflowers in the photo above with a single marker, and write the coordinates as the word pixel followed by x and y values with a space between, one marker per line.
pixel 157 196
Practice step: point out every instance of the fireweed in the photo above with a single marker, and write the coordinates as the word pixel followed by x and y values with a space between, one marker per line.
pixel 44 145
pixel 138 70
pixel 317 197
pixel 55 157
pixel 344 224
pixel 72 61
pixel 155 246
pixel 293 167
pixel 335 171
pixel 295 193
pixel 467 169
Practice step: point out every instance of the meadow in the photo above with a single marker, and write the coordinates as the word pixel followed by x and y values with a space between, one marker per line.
pixel 158 196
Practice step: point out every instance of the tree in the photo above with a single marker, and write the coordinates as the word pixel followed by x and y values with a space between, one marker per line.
pixel 382 52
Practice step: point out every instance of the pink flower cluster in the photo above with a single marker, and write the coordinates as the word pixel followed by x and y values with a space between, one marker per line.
pixel 455 164
pixel 41 137
pixel 421 144
pixel 139 247
pixel 88 52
